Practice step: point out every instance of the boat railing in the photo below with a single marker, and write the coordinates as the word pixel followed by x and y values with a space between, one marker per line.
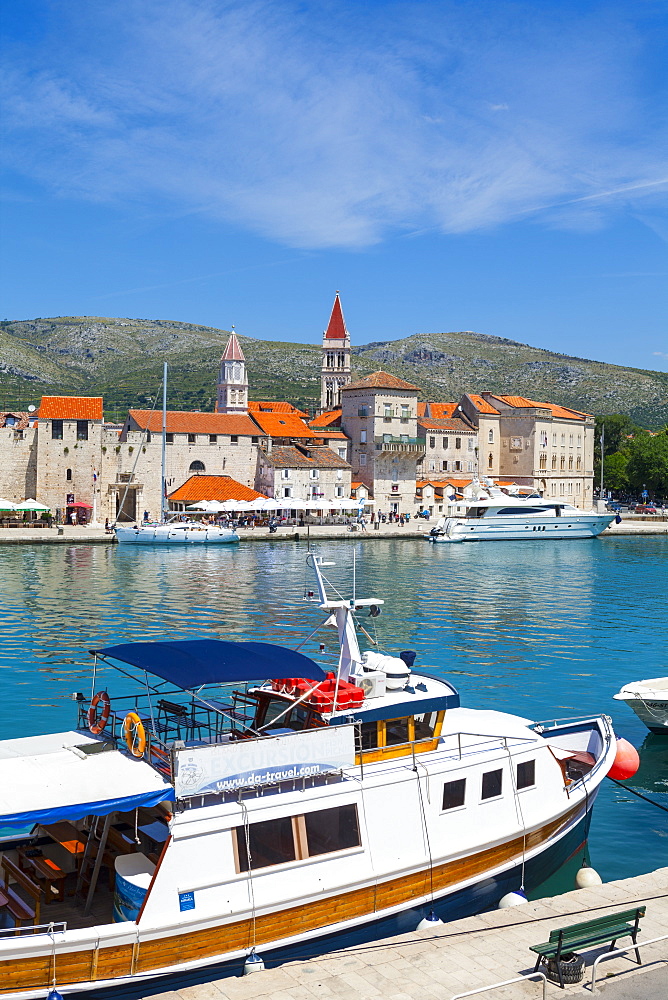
pixel 56 927
pixel 538 727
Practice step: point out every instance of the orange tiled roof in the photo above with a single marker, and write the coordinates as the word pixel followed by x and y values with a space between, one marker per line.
pixel 283 425
pixel 481 405
pixel 22 419
pixel 452 424
pixel 212 488
pixel 566 413
pixel 289 456
pixel 356 486
pixel 274 406
pixel 185 422
pixel 71 408
pixel 335 435
pixel 437 411
pixel 381 380
pixel 325 419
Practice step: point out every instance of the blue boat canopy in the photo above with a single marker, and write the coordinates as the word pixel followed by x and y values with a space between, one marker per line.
pixel 190 663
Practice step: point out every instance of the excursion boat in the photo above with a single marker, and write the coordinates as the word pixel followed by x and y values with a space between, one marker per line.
pixel 493 515
pixel 239 798
pixel 174 533
pixel 649 700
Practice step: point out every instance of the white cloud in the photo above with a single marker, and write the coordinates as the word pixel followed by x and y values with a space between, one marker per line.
pixel 335 124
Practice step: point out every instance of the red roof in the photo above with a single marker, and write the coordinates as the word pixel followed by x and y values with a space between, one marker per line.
pixel 233 352
pixel 436 410
pixel 381 380
pixel 71 408
pixel 481 405
pixel 445 424
pixel 274 406
pixel 564 412
pixel 179 422
pixel 326 419
pixel 336 329
pixel 282 425
pixel 333 435
pixel 219 488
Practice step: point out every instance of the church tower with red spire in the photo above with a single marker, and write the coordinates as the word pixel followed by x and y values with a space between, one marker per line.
pixel 232 381
pixel 335 359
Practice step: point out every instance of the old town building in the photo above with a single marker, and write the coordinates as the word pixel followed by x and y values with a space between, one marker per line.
pixel 302 472
pixel 335 373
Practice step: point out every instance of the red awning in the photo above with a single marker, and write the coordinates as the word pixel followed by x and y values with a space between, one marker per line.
pixel 81 503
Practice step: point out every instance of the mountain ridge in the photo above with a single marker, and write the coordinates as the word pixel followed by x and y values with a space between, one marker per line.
pixel 121 359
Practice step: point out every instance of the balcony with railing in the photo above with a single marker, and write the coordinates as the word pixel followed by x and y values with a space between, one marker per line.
pixel 403 443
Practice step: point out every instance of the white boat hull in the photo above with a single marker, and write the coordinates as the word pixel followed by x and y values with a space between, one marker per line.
pixel 507 528
pixel 167 534
pixel 649 700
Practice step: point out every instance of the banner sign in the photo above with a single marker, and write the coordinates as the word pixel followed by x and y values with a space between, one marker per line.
pixel 251 763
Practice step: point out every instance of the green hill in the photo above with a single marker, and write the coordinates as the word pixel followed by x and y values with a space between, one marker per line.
pixel 121 359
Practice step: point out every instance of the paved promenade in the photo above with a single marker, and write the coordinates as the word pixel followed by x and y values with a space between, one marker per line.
pixel 325 532
pixel 467 954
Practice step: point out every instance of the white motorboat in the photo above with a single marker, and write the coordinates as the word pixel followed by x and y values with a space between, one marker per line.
pixel 649 700
pixel 494 515
pixel 174 532
pixel 239 797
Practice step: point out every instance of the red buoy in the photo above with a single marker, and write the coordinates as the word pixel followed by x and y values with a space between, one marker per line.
pixel 626 761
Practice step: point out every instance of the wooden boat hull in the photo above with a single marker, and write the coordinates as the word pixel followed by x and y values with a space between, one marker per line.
pixel 470 884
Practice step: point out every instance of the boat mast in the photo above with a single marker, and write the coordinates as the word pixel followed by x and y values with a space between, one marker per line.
pixel 163 457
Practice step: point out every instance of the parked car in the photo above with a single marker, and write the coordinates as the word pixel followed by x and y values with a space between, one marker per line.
pixel 614 506
pixel 645 509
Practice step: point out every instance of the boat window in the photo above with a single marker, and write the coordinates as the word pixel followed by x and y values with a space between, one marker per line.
pixel 522 510
pixel 271 843
pixel 369 736
pixel 492 784
pixel 273 708
pixel 526 774
pixel 396 732
pixel 454 793
pixel 329 830
pixel 425 725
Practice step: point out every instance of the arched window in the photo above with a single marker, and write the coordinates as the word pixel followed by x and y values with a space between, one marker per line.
pixel 490 461
pixel 490 436
pixel 68 475
pixel 197 467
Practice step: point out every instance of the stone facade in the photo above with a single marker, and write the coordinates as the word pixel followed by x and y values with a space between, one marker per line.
pixel 450 447
pixel 232 394
pixel 302 472
pixel 335 372
pixel 18 457
pixel 379 416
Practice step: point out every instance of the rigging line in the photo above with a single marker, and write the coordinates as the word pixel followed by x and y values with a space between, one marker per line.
pixel 640 796
pixel 426 834
pixel 132 471
pixel 518 809
pixel 317 629
pixel 251 887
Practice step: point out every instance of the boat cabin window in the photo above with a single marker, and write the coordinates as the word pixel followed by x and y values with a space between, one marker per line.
pixel 329 830
pixel 521 510
pixel 476 512
pixel 298 717
pixel 270 843
pixel 368 738
pixel 454 793
pixel 425 725
pixel 292 838
pixel 526 774
pixel 397 732
pixel 492 784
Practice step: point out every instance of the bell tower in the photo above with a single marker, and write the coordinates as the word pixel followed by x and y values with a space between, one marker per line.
pixel 335 371
pixel 232 381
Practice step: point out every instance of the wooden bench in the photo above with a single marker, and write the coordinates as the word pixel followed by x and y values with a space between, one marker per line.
pixel 15 905
pixel 45 871
pixel 589 934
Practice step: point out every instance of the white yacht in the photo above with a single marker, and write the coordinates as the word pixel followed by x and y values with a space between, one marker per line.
pixel 649 700
pixel 494 515
pixel 175 532
pixel 238 797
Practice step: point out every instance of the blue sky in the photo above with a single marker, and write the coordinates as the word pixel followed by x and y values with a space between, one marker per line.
pixel 490 166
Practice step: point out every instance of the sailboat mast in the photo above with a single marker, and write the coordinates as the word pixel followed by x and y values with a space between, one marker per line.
pixel 163 457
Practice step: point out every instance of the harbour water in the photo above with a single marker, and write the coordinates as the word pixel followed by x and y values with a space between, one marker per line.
pixel 544 631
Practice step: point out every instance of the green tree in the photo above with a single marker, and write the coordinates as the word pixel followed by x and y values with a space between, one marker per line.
pixel 648 463
pixel 614 471
pixel 617 428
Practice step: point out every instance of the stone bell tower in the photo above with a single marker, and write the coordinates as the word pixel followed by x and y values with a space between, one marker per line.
pixel 335 359
pixel 232 380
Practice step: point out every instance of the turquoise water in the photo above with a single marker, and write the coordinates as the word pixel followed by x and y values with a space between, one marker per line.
pixel 543 631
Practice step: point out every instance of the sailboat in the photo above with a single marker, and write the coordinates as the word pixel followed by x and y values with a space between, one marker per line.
pixel 174 530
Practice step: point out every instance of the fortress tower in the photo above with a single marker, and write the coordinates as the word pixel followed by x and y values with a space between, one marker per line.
pixel 232 381
pixel 335 359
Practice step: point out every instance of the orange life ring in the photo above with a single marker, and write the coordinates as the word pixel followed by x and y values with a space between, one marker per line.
pixel 94 724
pixel 135 734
